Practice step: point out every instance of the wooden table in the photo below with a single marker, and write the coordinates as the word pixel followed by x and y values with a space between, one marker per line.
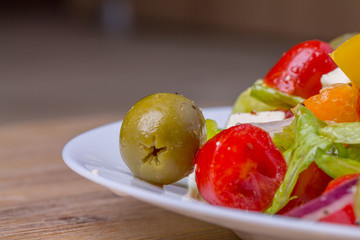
pixel 41 198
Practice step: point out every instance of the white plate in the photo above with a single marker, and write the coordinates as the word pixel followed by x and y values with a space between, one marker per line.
pixel 95 155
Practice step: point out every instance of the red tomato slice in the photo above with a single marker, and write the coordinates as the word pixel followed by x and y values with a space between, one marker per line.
pixel 310 184
pixel 343 216
pixel 299 70
pixel 241 168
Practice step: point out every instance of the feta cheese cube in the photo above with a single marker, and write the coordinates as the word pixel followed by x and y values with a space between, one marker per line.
pixel 260 117
pixel 333 77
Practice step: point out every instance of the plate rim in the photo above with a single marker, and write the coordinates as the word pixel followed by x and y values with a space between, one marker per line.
pixel 273 224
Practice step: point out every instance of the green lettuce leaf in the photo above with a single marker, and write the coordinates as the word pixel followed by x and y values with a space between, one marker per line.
pixel 346 160
pixel 314 141
pixel 211 128
pixel 353 152
pixel 301 154
pixel 285 139
pixel 273 97
pixel 246 103
pixel 335 166
pixel 348 133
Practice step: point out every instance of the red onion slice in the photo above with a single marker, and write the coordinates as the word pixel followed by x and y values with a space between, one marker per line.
pixel 326 204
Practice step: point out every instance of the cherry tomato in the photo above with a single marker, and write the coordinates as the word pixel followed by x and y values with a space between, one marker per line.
pixel 299 70
pixel 241 168
pixel 310 184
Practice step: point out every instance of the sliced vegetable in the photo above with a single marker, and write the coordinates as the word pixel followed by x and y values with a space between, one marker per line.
pixel 328 206
pixel 337 103
pixel 346 56
pixel 353 152
pixel 211 128
pixel 345 215
pixel 336 166
pixel 285 139
pixel 311 184
pixel 340 180
pixel 357 202
pixel 300 155
pixel 348 133
pixel 244 175
pixel 273 97
pixel 246 104
pixel 299 70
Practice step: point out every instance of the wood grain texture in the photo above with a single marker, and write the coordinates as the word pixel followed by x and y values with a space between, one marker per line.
pixel 41 198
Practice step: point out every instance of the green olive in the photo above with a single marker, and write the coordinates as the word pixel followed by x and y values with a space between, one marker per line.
pixel 160 136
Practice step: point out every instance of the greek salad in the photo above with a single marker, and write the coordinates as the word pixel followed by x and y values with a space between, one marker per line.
pixel 292 144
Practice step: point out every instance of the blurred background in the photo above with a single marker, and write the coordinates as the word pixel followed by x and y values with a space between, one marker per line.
pixel 64 58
